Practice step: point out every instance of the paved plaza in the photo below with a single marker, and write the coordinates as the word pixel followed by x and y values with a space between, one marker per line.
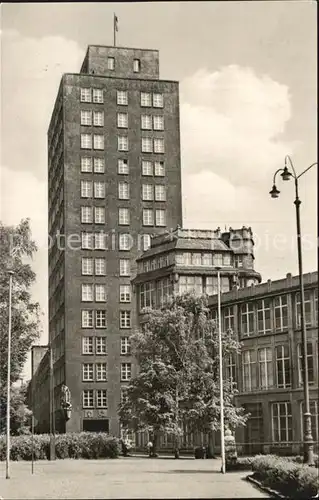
pixel 131 477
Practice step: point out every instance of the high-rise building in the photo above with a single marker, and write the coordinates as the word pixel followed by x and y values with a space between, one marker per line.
pixel 114 180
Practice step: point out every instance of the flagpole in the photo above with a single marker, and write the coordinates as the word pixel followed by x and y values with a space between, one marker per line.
pixel 114 30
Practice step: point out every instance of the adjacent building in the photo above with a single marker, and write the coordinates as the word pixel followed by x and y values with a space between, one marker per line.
pixel 114 179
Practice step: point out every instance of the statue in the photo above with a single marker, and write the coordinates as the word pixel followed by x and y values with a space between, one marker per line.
pixel 65 397
pixel 230 448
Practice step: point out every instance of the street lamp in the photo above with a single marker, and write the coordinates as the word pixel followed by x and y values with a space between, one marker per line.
pixel 9 376
pixel 286 175
pixel 221 391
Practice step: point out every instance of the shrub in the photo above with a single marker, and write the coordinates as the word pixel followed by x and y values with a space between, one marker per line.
pixel 286 476
pixel 299 459
pixel 70 445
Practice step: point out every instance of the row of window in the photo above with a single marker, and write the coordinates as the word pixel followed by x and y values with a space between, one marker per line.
pixel 267 369
pixel 91 118
pixel 94 398
pixel 111 64
pixel 88 318
pixel 208 259
pixel 148 144
pixel 281 415
pixel 99 347
pixel 147 99
pixel 149 168
pixel 98 266
pixel 150 192
pixel 98 241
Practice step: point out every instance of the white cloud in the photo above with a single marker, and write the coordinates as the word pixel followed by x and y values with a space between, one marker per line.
pixel 231 123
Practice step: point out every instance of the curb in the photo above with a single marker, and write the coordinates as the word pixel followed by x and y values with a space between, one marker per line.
pixel 272 493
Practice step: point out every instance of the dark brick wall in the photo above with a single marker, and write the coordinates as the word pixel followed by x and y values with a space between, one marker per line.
pixel 73 202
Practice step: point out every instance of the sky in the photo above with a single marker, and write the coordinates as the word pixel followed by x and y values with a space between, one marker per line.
pixel 248 97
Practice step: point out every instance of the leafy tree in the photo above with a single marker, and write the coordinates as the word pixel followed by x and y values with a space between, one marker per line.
pixel 19 413
pixel 178 378
pixel 16 248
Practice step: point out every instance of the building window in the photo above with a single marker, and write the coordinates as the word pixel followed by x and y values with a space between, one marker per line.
pixel 125 268
pixel 99 241
pixel 160 217
pixel 190 284
pixel 147 192
pixel 86 95
pixel 125 241
pixel 86 141
pixel 196 259
pixel 87 293
pixel 87 319
pixel 207 259
pixel 263 316
pixel 147 167
pixel 100 293
pixel 159 145
pixel 99 165
pixel 125 319
pixel 160 192
pixel 158 100
pixel 98 96
pixel 124 216
pixel 99 189
pixel 125 293
pixel 122 166
pixel 164 291
pixel 122 98
pixel 147 145
pixel 100 319
pixel 99 215
pixel 86 215
pixel 281 422
pixel 283 367
pixel 307 308
pixel 148 217
pixel 111 63
pixel 147 295
pixel 124 396
pixel 310 359
pixel 86 189
pixel 101 372
pixel 122 120
pixel 87 266
pixel 88 398
pixel 124 191
pixel 281 312
pixel 101 398
pixel 98 118
pixel 87 345
pixel 230 368
pixel 146 99
pixel 86 164
pixel 226 260
pixel 87 372
pixel 100 266
pixel 249 370
pixel 218 259
pixel 98 142
pixel 229 319
pixel 136 65
pixel 87 241
pixel 158 122
pixel 238 261
pixel 86 117
pixel 146 122
pixel 122 143
pixel 146 242
pixel 159 169
pixel 314 419
pixel 126 371
pixel 125 345
pixel 247 318
pixel 266 377
pixel 100 345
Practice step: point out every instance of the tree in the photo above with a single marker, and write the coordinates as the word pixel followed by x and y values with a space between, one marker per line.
pixel 19 413
pixel 16 248
pixel 178 378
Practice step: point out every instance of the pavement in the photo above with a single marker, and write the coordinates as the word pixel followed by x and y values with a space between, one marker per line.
pixel 130 477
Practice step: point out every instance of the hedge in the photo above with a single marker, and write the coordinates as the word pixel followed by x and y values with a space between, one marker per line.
pixel 71 445
pixel 289 478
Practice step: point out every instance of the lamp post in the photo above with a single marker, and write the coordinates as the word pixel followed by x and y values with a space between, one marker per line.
pixel 286 175
pixel 9 377
pixel 221 391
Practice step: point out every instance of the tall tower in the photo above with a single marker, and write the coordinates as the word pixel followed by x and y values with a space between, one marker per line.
pixel 114 179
